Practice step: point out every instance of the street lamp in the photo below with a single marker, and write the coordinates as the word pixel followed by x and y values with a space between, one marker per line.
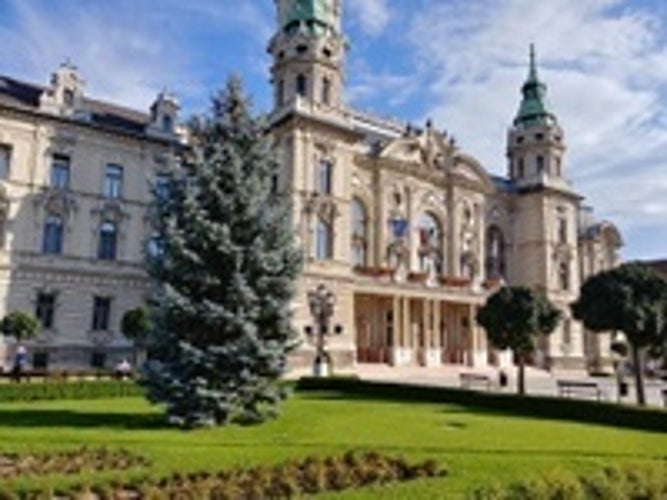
pixel 321 302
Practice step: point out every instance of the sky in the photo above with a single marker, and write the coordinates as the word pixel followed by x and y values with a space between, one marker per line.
pixel 460 63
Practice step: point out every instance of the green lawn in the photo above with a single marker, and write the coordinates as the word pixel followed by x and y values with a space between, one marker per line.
pixel 475 445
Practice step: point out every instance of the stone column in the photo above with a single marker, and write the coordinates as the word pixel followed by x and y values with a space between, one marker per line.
pixel 432 347
pixel 402 351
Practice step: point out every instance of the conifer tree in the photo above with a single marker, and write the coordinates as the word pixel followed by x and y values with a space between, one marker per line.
pixel 225 269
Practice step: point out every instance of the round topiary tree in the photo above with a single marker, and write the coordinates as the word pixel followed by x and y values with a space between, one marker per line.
pixel 631 298
pixel 136 325
pixel 20 325
pixel 513 317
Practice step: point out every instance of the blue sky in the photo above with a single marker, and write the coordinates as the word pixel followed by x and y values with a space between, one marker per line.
pixel 458 62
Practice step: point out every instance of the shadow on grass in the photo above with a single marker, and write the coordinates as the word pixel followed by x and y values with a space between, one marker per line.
pixel 80 419
pixel 589 412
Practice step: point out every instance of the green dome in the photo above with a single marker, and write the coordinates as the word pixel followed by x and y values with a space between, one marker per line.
pixel 534 108
pixel 314 15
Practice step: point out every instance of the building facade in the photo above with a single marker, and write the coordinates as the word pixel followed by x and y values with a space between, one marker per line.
pixel 75 177
pixel 408 232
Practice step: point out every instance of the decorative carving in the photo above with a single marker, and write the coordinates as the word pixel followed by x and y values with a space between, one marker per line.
pixel 56 201
pixel 110 210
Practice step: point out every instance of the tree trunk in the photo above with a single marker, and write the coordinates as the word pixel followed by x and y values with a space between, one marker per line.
pixel 639 374
pixel 521 379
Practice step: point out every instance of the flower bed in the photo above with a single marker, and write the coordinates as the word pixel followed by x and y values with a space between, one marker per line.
pixel 13 465
pixel 291 479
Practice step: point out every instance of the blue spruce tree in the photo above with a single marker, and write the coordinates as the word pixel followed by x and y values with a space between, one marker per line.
pixel 224 266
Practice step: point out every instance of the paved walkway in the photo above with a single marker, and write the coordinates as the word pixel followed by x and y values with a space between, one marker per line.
pixel 538 382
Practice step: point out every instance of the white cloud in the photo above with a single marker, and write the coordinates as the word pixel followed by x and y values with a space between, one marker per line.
pixel 606 66
pixel 373 16
pixel 128 51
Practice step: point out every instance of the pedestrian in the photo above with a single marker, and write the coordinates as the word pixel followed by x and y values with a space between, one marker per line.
pixel 20 360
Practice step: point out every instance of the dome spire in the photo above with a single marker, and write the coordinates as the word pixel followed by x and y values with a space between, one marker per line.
pixel 534 108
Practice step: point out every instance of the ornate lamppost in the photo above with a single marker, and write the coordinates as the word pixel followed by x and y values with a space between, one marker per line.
pixel 321 302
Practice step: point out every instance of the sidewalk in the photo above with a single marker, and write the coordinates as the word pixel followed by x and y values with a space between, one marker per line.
pixel 538 382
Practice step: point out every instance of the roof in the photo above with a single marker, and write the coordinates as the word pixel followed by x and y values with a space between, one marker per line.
pixel 100 113
pixel 504 184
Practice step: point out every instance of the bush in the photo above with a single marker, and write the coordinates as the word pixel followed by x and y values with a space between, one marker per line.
pixel 627 482
pixel 69 390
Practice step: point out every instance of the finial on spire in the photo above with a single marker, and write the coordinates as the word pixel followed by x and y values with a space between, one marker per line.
pixel 534 109
pixel 532 75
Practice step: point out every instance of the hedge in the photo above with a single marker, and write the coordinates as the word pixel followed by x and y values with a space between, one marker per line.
pixel 605 413
pixel 69 390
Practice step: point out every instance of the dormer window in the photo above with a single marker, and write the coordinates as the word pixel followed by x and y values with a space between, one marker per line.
pixel 167 124
pixel 68 97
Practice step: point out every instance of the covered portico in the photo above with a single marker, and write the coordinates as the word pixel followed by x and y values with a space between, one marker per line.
pixel 399 326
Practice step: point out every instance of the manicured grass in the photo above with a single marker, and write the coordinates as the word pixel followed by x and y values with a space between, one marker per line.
pixel 476 445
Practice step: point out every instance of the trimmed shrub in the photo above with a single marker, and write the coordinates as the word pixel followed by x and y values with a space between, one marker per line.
pixel 69 390
pixel 648 419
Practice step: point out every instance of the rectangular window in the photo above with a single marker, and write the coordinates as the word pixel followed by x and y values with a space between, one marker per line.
pixel 101 313
pixel 5 160
pixel 52 238
pixel 325 177
pixel 60 170
pixel 45 309
pixel 162 187
pixel 113 181
pixel 106 246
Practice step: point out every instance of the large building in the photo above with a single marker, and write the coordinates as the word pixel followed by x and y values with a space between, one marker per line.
pixel 75 177
pixel 408 233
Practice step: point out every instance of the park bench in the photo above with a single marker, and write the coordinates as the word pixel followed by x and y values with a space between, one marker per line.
pixel 568 388
pixel 471 380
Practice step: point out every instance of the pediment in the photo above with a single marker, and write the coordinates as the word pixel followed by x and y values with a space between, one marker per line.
pixel 428 149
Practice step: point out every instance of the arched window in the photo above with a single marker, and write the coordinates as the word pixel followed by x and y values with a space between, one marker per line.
pixel 52 241
pixel 521 170
pixel 106 248
pixel 323 240
pixel 539 162
pixel 326 90
pixel 359 233
pixel 301 85
pixel 495 253
pixel 281 93
pixel 430 243
pixel 324 177
pixel 564 276
pixel 562 230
